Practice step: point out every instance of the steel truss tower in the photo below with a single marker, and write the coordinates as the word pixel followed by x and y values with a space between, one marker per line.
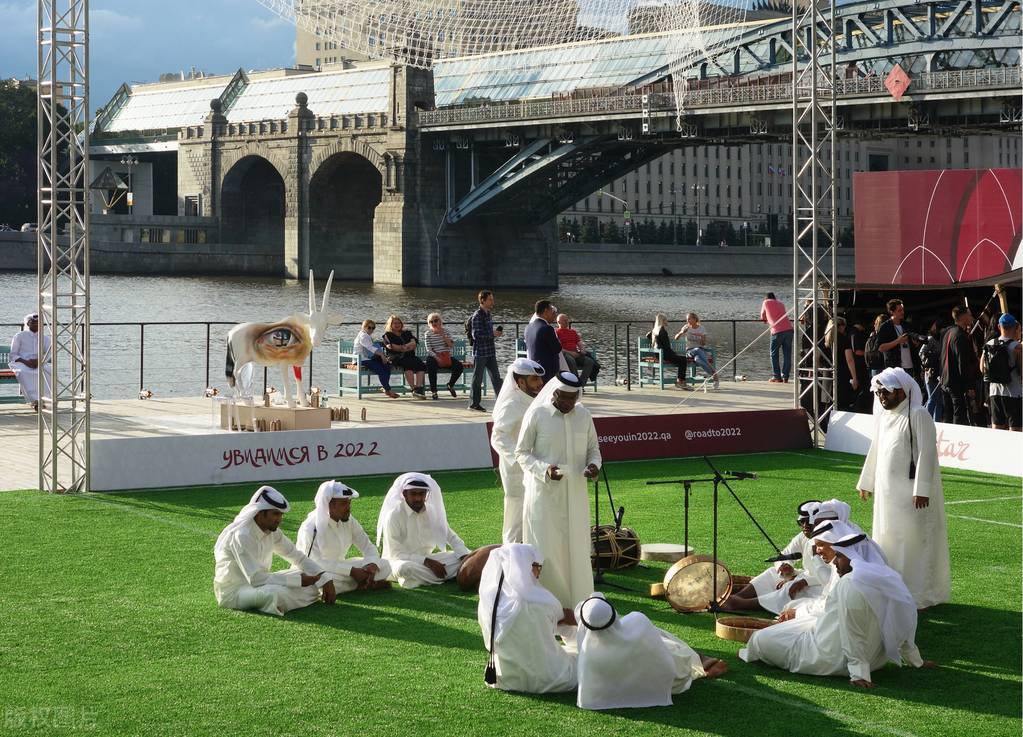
pixel 814 123
pixel 63 245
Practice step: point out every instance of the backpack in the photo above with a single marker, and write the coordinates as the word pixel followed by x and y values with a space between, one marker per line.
pixel 930 354
pixel 468 329
pixel 872 354
pixel 996 354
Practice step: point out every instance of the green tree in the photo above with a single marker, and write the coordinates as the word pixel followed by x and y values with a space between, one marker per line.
pixel 590 232
pixel 612 233
pixel 17 154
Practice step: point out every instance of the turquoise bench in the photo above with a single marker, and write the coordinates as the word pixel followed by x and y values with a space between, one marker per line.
pixel 652 369
pixel 353 378
pixel 7 377
pixel 520 352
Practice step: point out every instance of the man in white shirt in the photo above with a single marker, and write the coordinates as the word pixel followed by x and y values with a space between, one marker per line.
pixel 522 382
pixel 327 534
pixel 413 528
pixel 24 359
pixel 243 554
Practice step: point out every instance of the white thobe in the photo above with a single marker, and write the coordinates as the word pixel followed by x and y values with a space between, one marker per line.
pixel 815 572
pixel 407 543
pixel 25 345
pixel 844 639
pixel 339 569
pixel 242 577
pixel 556 514
pixel 526 655
pixel 915 541
pixel 507 424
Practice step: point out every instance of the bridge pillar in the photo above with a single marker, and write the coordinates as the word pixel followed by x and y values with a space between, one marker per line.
pixel 296 205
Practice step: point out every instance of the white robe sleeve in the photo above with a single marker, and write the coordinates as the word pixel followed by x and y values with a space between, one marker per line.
pixel 395 543
pixel 525 447
pixel 21 347
pixel 502 439
pixel 361 541
pixel 910 654
pixel 254 572
pixel 456 544
pixel 592 446
pixel 925 444
pixel 866 482
pixel 856 623
pixel 287 550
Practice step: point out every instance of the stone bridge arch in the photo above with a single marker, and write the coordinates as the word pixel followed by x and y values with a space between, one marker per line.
pixel 254 203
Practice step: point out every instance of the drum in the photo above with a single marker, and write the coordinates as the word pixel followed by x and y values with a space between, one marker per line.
pixel 615 549
pixel 665 552
pixel 689 584
pixel 471 572
pixel 739 629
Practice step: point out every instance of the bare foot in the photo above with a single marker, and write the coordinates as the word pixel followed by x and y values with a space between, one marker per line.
pixel 714 667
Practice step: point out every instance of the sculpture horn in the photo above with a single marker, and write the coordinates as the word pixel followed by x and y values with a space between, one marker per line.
pixel 326 292
pixel 312 292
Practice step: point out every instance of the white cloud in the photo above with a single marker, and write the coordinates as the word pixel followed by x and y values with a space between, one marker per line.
pixel 102 20
pixel 269 24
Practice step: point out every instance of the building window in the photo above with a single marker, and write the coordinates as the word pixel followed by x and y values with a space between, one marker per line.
pixel 635 186
pixel 660 166
pixel 600 205
pixel 648 186
pixel 660 187
pixel 317 61
pixel 317 45
pixel 586 204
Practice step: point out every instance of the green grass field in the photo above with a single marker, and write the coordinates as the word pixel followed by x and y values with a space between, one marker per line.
pixel 109 624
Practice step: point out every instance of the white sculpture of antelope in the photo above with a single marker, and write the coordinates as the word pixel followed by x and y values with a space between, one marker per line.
pixel 285 344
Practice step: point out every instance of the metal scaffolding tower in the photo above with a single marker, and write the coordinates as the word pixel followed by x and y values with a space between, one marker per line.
pixel 63 245
pixel 814 123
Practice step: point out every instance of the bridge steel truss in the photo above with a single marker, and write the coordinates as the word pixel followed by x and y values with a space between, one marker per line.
pixel 63 244
pixel 814 126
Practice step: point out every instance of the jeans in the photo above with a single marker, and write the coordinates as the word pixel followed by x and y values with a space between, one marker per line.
pixel 585 367
pixel 935 400
pixel 431 371
pixel 484 364
pixel 781 342
pixel 381 369
pixel 957 406
pixel 700 356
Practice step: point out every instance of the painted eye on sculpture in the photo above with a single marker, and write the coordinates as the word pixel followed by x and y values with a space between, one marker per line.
pixel 280 338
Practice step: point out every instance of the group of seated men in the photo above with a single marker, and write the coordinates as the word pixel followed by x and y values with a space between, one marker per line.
pixel 844 612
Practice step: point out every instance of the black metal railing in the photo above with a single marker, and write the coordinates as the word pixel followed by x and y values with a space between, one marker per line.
pixel 184 358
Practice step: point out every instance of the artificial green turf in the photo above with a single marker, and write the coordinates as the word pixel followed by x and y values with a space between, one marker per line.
pixel 109 624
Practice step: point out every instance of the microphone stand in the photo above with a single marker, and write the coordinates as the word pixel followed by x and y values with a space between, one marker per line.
pixel 598 576
pixel 717 479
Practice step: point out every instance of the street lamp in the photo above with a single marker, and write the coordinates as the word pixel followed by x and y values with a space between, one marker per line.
pixel 674 220
pixel 625 211
pixel 745 232
pixel 130 161
pixel 697 189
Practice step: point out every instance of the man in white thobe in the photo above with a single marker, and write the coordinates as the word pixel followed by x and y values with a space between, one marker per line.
pixel 520 632
pixel 558 452
pixel 413 528
pixel 243 554
pixel 627 662
pixel 901 471
pixel 778 585
pixel 24 358
pixel 868 619
pixel 522 382
pixel 328 533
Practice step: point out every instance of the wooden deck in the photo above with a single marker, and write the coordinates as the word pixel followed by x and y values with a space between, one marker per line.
pixel 196 416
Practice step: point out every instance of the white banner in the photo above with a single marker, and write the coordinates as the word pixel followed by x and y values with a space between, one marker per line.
pixel 959 446
pixel 227 458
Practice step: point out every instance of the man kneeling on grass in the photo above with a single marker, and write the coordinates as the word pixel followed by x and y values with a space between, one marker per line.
pixel 244 552
pixel 413 526
pixel 868 618
pixel 327 534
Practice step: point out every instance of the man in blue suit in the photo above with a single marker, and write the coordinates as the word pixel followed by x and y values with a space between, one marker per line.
pixel 542 344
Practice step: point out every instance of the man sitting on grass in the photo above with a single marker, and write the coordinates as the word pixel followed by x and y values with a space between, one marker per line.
pixel 868 618
pixel 413 525
pixel 327 534
pixel 244 552
pixel 775 587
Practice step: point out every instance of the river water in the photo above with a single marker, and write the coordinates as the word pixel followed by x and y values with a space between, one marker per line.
pixel 174 357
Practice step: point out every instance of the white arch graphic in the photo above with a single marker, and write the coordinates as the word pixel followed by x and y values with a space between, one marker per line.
pixel 980 243
pixel 924 249
pixel 1012 222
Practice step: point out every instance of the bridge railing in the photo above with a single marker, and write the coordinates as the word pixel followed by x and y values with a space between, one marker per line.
pixel 956 79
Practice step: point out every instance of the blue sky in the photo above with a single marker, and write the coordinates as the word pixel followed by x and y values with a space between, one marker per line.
pixel 137 41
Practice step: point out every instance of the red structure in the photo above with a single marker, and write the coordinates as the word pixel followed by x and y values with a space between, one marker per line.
pixel 937 228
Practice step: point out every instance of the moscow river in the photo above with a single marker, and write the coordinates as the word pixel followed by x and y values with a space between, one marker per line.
pixel 174 361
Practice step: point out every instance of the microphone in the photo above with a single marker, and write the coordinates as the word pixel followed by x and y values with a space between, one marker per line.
pixel 784 557
pixel 741 474
pixel 618 518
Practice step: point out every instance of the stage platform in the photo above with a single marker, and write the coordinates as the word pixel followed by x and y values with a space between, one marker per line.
pixel 185 418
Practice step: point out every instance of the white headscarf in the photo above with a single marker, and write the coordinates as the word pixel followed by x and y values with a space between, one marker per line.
pixel 888 597
pixel 515 561
pixel 434 511
pixel 510 391
pixel 320 516
pixel 849 536
pixel 564 381
pixel 832 509
pixel 897 378
pixel 29 316
pixel 266 497
pixel 608 644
